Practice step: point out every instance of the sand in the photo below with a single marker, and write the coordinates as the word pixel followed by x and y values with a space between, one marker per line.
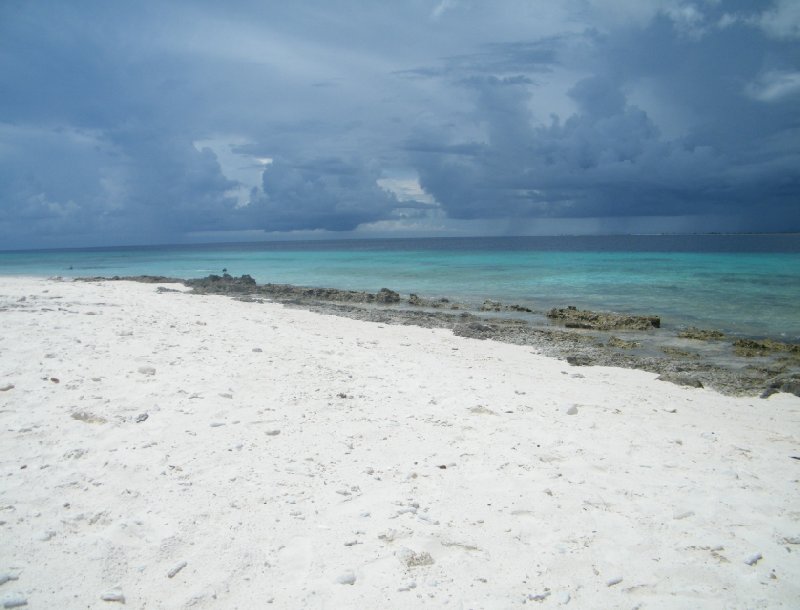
pixel 166 450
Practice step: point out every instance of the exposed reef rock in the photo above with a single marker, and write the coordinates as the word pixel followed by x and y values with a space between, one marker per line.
pixel 246 285
pixel 789 383
pixel 701 334
pixel 592 320
pixel 498 306
pixel 144 279
pixel 622 343
pixel 223 284
pixel 749 347
pixel 416 301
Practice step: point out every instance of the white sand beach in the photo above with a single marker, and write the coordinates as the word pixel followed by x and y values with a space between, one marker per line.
pixel 166 450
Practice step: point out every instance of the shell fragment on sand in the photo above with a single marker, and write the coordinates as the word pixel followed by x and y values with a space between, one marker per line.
pixel 176 569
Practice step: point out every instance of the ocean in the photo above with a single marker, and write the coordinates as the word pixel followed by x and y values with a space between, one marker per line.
pixel 744 285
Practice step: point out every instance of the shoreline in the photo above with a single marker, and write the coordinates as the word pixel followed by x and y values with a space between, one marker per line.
pixel 691 357
pixel 174 450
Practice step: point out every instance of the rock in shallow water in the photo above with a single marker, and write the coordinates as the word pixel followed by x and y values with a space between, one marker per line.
pixel 576 318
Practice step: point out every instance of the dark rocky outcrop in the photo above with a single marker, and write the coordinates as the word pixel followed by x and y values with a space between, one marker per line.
pixel 498 306
pixel 475 330
pixel 223 284
pixel 750 347
pixel 417 301
pixel 592 320
pixel 387 296
pixel 144 279
pixel 679 353
pixel 246 288
pixel 701 334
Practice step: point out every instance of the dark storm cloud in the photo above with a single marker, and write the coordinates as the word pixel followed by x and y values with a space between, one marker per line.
pixel 329 194
pixel 143 122
pixel 738 154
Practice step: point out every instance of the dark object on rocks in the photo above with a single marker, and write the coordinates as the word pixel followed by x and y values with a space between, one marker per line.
pixel 681 379
pixel 55 380
pixel 580 360
pixel 701 334
pixel 576 318
pixel 141 417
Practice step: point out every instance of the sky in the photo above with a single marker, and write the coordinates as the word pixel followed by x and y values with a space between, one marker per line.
pixel 197 121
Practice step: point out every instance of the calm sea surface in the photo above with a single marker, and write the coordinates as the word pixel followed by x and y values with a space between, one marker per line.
pixel 742 284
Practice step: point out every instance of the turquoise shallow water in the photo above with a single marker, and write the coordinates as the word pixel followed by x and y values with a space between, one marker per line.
pixel 747 285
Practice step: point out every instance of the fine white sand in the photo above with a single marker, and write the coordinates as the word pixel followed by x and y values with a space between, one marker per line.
pixel 302 460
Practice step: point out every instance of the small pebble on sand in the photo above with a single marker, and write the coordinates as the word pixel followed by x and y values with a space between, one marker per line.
pixel 113 596
pixel 176 569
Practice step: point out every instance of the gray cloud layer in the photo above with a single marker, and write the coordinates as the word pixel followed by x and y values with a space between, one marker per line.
pixel 149 122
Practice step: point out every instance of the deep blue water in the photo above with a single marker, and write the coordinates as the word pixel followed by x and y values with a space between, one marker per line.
pixel 742 284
